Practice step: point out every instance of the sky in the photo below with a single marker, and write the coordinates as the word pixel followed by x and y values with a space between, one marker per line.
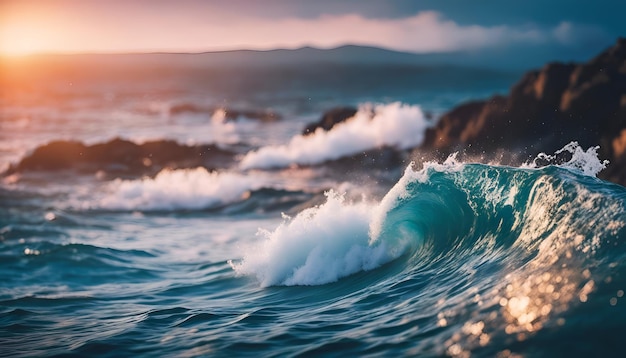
pixel 420 26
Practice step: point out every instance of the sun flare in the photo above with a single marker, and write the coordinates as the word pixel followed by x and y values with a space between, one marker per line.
pixel 16 47
pixel 23 38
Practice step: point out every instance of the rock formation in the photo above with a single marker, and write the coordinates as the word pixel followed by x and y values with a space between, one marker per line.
pixel 544 111
pixel 122 157
pixel 330 118
pixel 230 114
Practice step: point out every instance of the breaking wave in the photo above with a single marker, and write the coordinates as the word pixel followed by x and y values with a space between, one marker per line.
pixel 447 212
pixel 395 125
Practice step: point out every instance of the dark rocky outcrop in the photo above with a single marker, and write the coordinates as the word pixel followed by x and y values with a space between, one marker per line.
pixel 330 118
pixel 122 157
pixel 259 115
pixel 230 114
pixel 545 110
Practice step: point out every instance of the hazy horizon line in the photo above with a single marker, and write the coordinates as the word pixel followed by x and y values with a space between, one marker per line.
pixel 216 51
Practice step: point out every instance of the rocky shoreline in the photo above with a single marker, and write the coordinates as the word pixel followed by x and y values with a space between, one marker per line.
pixel 121 157
pixel 545 110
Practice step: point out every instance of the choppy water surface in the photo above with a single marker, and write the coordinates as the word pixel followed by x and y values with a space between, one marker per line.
pixel 275 257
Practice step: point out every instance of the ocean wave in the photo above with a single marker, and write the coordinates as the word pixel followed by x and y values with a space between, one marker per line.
pixel 194 189
pixel 396 125
pixel 449 212
pixel 319 245
pixel 91 264
pixel 182 189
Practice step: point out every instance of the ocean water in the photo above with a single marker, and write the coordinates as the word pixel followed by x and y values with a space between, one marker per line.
pixel 283 255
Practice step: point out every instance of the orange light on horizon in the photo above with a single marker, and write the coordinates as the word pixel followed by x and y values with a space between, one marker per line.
pixel 24 31
pixel 32 27
pixel 21 41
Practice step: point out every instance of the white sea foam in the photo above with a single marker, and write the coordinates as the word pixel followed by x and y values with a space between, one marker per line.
pixel 178 189
pixel 398 125
pixel 223 131
pixel 586 161
pixel 336 239
pixel 320 245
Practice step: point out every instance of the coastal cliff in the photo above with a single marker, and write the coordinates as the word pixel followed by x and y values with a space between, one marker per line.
pixel 545 110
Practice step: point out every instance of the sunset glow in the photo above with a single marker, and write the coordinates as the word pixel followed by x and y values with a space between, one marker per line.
pixel 26 28
pixel 22 39
pixel 71 26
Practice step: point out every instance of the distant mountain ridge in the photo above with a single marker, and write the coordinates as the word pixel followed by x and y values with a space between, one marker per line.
pixel 508 57
pixel 347 54
pixel 504 57
pixel 342 54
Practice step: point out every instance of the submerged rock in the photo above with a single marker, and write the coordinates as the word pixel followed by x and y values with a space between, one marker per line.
pixel 229 114
pixel 120 156
pixel 330 118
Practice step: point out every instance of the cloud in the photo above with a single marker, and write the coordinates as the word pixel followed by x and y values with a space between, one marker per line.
pixel 570 34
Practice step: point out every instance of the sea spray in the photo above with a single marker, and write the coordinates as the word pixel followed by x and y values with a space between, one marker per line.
pixel 320 245
pixel 587 161
pixel 336 239
pixel 397 125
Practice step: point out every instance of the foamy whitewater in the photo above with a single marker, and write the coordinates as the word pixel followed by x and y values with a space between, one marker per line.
pixel 395 125
pixel 281 254
pixel 191 189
